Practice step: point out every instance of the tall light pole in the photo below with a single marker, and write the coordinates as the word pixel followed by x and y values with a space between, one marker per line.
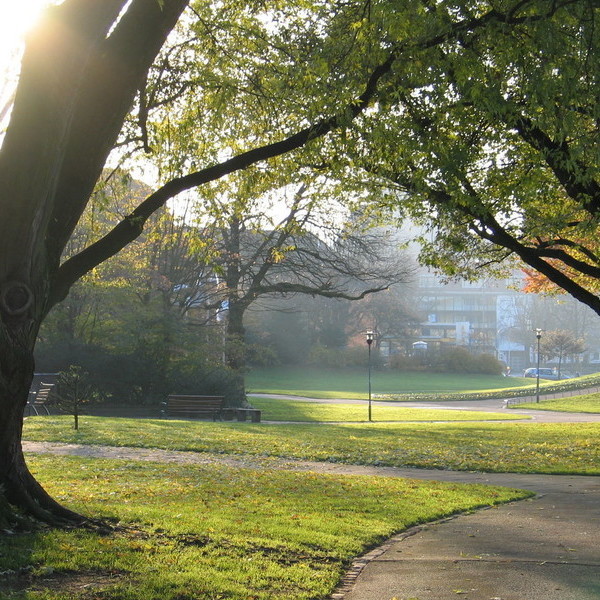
pixel 538 335
pixel 370 337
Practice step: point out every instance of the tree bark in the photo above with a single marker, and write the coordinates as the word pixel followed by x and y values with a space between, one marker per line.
pixel 18 487
pixel 80 73
pixel 235 351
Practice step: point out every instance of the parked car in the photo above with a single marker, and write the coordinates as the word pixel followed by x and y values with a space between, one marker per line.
pixel 545 373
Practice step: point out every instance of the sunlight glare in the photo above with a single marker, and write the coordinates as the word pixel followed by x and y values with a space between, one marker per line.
pixel 17 17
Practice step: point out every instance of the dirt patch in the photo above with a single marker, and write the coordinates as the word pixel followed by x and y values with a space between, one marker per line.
pixel 67 582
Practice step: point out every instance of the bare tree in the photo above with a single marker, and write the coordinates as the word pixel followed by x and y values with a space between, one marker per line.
pixel 561 344
pixel 305 253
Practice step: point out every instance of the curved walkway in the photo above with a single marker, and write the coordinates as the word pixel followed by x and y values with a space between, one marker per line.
pixel 537 416
pixel 545 548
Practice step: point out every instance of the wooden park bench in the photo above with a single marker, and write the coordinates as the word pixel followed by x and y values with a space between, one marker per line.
pixel 178 405
pixel 39 393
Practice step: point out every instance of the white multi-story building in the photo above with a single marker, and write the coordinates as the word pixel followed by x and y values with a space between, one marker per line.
pixel 493 316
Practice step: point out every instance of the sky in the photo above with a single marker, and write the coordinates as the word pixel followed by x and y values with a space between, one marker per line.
pixel 16 18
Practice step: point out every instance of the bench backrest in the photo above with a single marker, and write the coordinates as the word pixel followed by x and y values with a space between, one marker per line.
pixel 183 402
pixel 41 386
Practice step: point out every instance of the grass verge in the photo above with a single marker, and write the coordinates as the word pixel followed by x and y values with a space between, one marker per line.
pixel 277 409
pixel 586 403
pixel 215 532
pixel 495 447
pixel 394 385
pixel 334 383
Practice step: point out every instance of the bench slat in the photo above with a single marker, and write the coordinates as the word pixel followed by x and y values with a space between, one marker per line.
pixel 180 404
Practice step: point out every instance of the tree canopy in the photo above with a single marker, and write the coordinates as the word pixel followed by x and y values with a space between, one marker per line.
pixel 491 141
pixel 482 113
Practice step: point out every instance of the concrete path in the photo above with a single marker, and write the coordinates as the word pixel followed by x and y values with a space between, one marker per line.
pixel 545 548
pixel 537 416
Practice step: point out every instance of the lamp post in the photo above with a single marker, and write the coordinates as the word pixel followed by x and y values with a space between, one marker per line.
pixel 538 335
pixel 370 337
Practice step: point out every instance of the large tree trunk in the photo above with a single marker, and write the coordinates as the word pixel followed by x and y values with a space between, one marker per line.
pixel 18 487
pixel 80 73
pixel 235 352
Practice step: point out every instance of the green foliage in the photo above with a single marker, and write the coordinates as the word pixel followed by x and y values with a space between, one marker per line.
pixel 133 378
pixel 494 447
pixel 451 360
pixel 460 360
pixel 490 142
pixel 214 531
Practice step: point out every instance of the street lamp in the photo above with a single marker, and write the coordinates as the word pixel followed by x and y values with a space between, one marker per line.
pixel 538 335
pixel 370 337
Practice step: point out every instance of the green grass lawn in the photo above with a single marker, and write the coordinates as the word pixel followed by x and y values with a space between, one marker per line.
pixel 586 403
pixel 214 532
pixel 501 447
pixel 277 409
pixel 321 383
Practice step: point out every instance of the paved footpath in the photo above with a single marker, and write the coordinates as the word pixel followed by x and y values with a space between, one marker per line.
pixel 535 416
pixel 544 548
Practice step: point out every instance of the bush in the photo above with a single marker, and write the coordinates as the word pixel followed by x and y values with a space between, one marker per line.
pixel 460 360
pixel 262 356
pixel 341 358
pixel 401 362
pixel 450 360
pixel 134 378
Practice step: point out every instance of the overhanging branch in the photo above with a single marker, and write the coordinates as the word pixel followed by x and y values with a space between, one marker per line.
pixel 131 227
pixel 127 231
pixel 325 292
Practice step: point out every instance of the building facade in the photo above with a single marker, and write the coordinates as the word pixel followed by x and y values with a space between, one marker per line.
pixel 492 316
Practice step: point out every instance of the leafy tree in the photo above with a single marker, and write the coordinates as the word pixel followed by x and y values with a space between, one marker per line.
pixel 306 252
pixel 560 344
pixel 137 309
pixel 81 73
pixel 491 142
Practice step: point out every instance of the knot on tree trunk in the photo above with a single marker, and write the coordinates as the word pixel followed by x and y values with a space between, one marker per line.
pixel 15 298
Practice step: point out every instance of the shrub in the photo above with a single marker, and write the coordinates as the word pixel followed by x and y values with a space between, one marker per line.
pixel 450 360
pixel 460 360
pixel 401 362
pixel 341 358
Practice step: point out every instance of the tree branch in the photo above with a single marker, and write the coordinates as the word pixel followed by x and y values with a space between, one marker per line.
pixel 324 291
pixel 131 227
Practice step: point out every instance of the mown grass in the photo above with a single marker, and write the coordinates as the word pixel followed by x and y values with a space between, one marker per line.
pixel 496 447
pixel 215 532
pixel 352 383
pixel 586 403
pixel 279 409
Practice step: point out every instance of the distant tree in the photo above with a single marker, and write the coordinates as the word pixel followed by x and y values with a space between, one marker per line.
pixel 392 313
pixel 308 251
pixel 560 344
pixel 72 391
